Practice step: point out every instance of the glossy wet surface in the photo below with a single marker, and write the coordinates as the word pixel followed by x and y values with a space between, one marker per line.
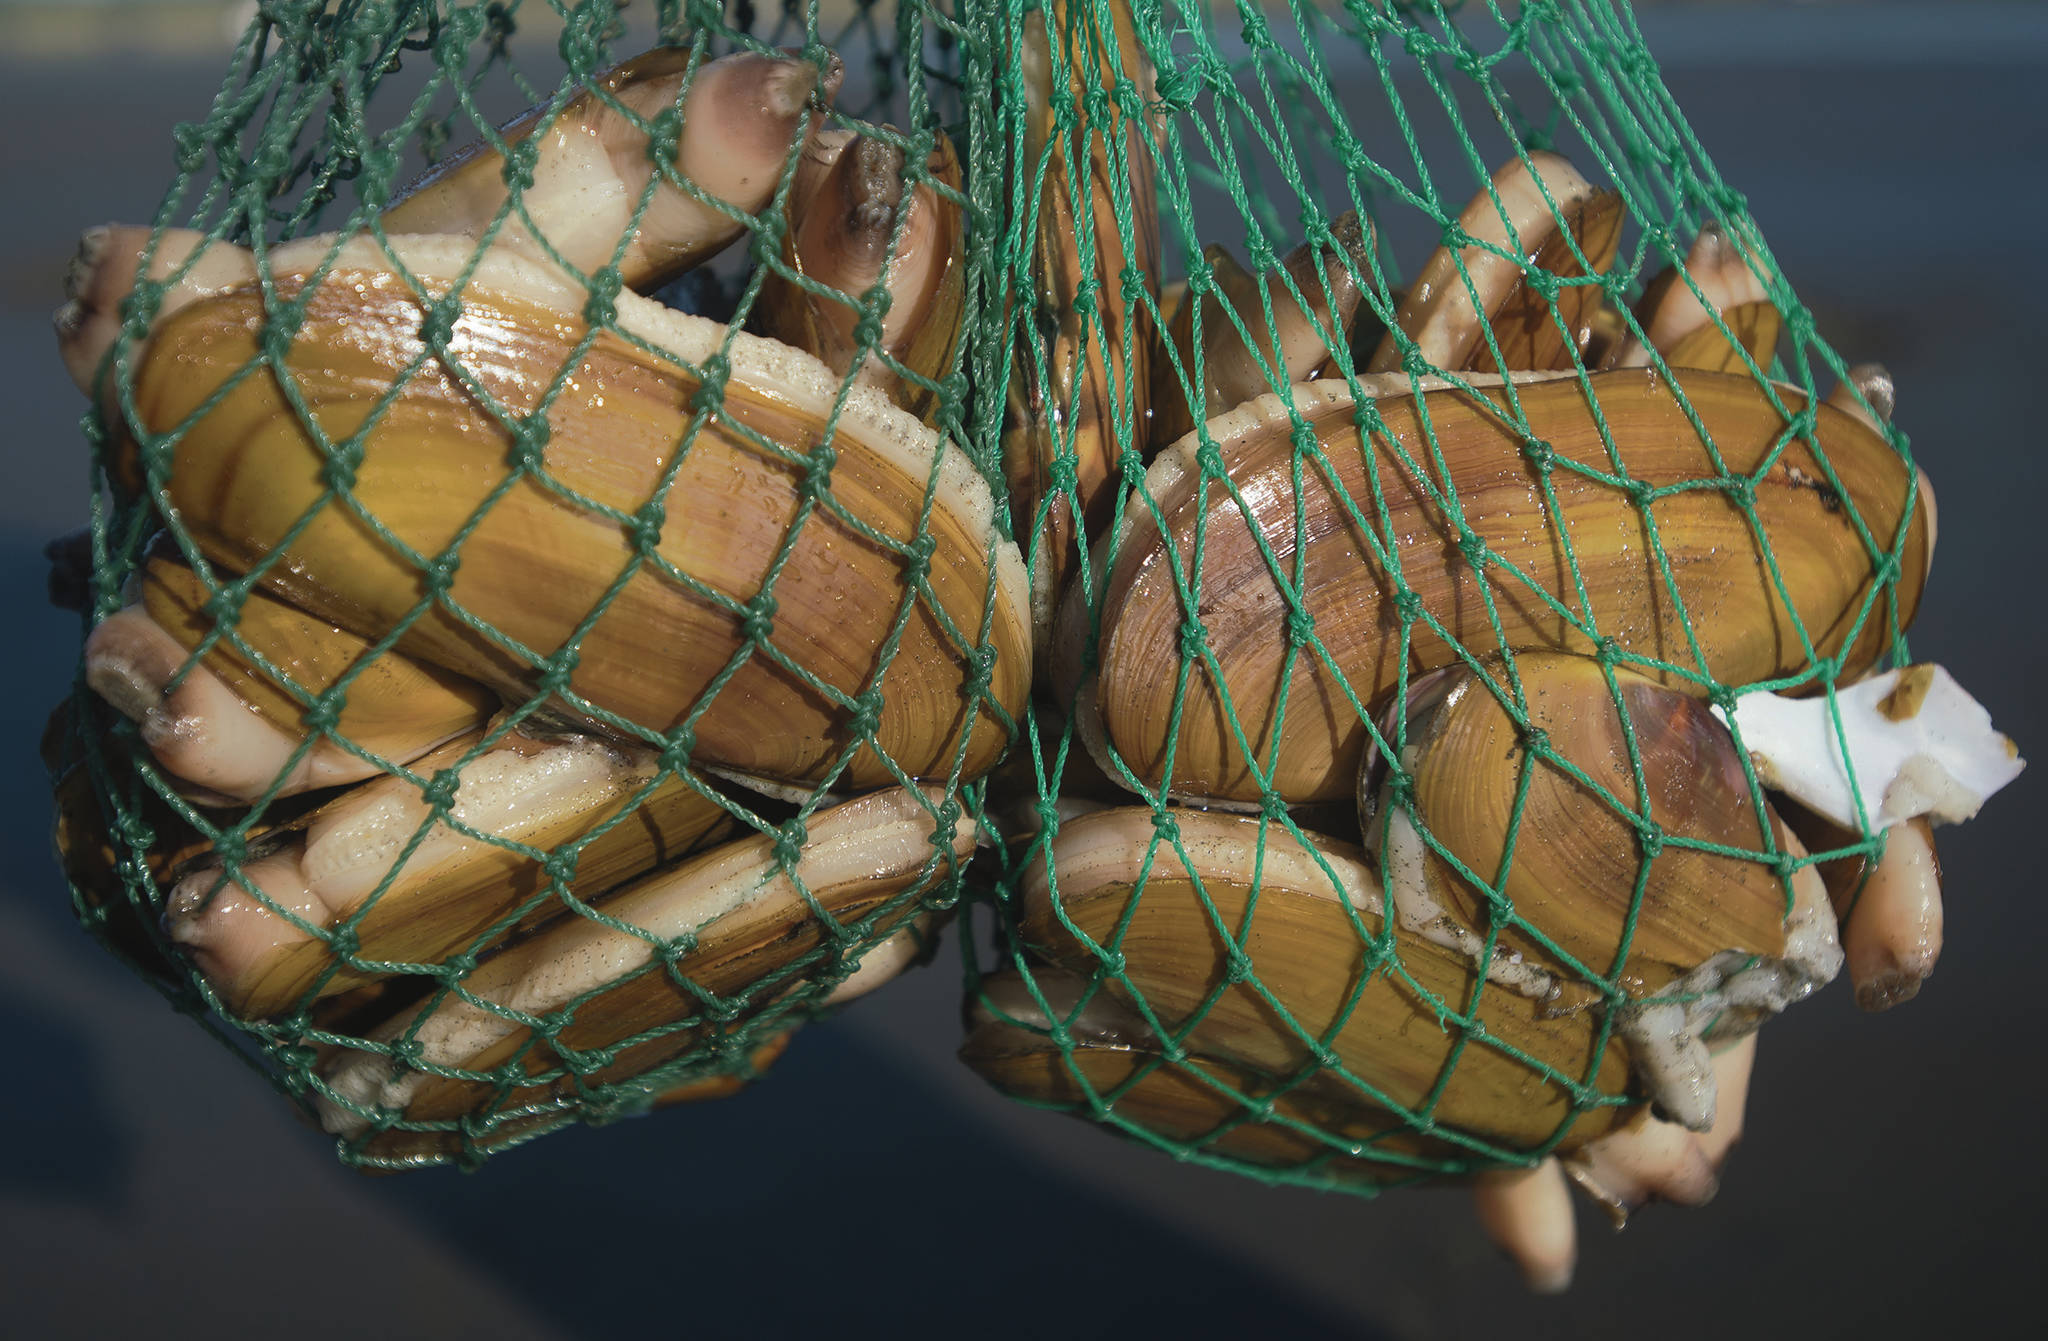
pixel 1895 160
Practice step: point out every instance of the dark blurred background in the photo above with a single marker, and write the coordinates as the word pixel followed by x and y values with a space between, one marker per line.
pixel 1895 157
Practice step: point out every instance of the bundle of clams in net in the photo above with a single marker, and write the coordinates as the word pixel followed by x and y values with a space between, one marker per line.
pixel 1327 532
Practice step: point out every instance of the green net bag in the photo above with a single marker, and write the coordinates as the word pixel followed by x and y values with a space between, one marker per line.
pixel 1425 471
pixel 547 624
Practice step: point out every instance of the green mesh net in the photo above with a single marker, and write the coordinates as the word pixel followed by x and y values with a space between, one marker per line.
pixel 1376 824
pixel 659 663
pixel 1250 558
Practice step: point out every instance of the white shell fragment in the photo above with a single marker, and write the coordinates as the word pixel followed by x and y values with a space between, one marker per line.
pixel 1920 745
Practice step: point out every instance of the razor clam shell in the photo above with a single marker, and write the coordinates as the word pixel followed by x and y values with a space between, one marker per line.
pixel 593 165
pixel 926 280
pixel 1308 940
pixel 1745 629
pixel 1296 343
pixel 740 925
pixel 1116 1073
pixel 539 557
pixel 394 708
pixel 1679 321
pixel 448 892
pixel 1090 368
pixel 1571 875
pixel 1512 216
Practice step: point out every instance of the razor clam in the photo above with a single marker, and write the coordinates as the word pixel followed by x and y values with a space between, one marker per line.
pixel 1890 908
pixel 1115 1071
pixel 1399 516
pixel 1679 311
pixel 112 259
pixel 1549 849
pixel 736 120
pixel 1648 1159
pixel 1527 1213
pixel 406 887
pixel 1549 853
pixel 1319 971
pixel 845 235
pixel 229 719
pixel 725 1086
pixel 680 542
pixel 709 945
pixel 1291 347
pixel 1071 374
pixel 1537 213
pixel 100 864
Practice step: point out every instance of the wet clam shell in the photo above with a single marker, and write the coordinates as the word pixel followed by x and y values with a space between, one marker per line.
pixel 1316 966
pixel 1543 211
pixel 1075 380
pixel 1116 1071
pixel 1580 896
pixel 641 496
pixel 738 931
pixel 266 649
pixel 1401 515
pixel 406 889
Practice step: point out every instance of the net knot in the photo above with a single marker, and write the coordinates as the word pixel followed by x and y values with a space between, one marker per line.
pixel 190 139
pixel 818 463
pixel 1741 492
pixel 439 575
pixel 789 845
pixel 757 624
pixel 868 330
pixel 647 525
pixel 1061 476
pixel 1176 90
pixel 528 446
pixel 1473 546
pixel 559 867
pixel 1301 627
pixel 439 790
pixel 917 559
pixel 1650 839
pixel 601 308
pixel 437 323
pixel 1193 637
pixel 676 750
pixel 1166 826
pixel 981 668
pixel 1238 968
pixel 1540 455
pixel 1408 606
pixel 865 714
pixel 280 331
pixel 379 172
pixel 710 393
pixel 324 712
pixel 232 848
pixel 557 672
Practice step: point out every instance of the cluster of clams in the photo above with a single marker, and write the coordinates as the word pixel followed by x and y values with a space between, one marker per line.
pixel 1428 638
pixel 556 700
pixel 509 629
